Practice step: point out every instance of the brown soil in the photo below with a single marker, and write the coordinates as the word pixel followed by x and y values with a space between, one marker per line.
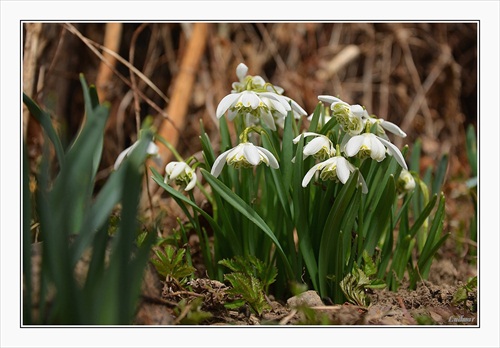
pixel 429 304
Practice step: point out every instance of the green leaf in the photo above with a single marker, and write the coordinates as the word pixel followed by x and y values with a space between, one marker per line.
pixel 369 267
pixel 440 175
pixel 44 119
pixel 332 228
pixel 300 215
pixel 28 286
pixel 313 126
pixel 286 165
pixel 250 288
pixel 246 211
pixel 471 148
pixel 377 220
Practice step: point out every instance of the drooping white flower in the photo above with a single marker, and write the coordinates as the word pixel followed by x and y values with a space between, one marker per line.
pixel 181 173
pixel 297 110
pixel 258 104
pixel 320 147
pixel 406 181
pixel 350 117
pixel 257 101
pixel 386 125
pixel 244 155
pixel 152 150
pixel 368 144
pixel 337 169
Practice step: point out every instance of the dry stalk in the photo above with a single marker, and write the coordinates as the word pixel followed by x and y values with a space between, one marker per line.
pixel 30 57
pixel 112 39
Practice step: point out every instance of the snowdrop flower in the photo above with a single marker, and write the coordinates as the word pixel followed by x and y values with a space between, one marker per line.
pixel 244 155
pixel 181 173
pixel 350 117
pixel 257 104
pixel 296 109
pixel 385 125
pixel 320 147
pixel 247 82
pixel 337 169
pixel 368 144
pixel 152 150
pixel 257 101
pixel 406 182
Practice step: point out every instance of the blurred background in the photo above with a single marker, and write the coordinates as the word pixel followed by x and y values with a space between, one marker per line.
pixel 421 76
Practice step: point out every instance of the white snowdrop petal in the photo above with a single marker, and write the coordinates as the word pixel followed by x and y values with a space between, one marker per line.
pixel 251 153
pixel 179 168
pixel 314 146
pixel 249 98
pixel 353 145
pixel 219 163
pixel 329 99
pixel 343 171
pixel 391 127
pixel 273 162
pixel 357 110
pixel 377 148
pixel 170 167
pixel 298 108
pixel 393 150
pixel 309 175
pixel 226 103
pixel 278 107
pixel 279 98
pixel 241 71
pixel 192 182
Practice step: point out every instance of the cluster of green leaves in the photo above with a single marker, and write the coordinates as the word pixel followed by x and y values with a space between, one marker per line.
pixel 326 227
pixel 463 292
pixel 250 278
pixel 67 210
pixel 191 312
pixel 171 263
pixel 358 282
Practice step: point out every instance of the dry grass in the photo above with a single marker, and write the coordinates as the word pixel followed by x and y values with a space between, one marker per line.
pixel 419 75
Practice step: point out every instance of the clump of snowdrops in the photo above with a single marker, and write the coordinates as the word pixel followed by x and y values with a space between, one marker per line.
pixel 324 199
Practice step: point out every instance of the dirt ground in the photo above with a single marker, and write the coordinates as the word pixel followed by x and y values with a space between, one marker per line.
pixel 430 304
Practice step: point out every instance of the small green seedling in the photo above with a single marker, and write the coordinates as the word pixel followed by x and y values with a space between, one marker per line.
pixel 249 279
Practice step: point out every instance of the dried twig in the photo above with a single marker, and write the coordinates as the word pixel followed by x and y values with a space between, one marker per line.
pixel 31 52
pixel 94 46
pixel 181 93
pixel 344 57
pixel 131 55
pixel 112 39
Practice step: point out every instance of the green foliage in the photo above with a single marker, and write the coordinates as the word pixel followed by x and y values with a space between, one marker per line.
pixel 462 294
pixel 72 220
pixel 191 313
pixel 471 148
pixel 249 279
pixel 309 316
pixel 317 230
pixel 171 263
pixel 355 285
